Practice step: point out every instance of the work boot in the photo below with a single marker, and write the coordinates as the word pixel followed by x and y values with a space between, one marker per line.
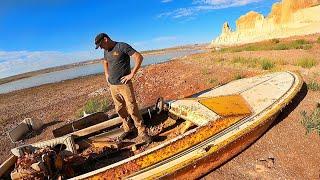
pixel 124 135
pixel 144 137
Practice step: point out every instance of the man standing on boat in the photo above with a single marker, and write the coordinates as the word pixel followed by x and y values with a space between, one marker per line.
pixel 118 75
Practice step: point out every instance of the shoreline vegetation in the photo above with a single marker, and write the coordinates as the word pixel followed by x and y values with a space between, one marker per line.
pixel 94 61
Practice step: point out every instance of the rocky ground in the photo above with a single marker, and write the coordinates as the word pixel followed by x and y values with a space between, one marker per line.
pixel 283 152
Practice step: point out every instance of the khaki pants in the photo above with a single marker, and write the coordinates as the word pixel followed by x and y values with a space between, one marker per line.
pixel 126 106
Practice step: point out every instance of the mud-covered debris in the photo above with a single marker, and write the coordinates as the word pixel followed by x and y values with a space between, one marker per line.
pixel 98 92
pixel 267 162
pixel 260 168
pixel 155 130
pixel 44 162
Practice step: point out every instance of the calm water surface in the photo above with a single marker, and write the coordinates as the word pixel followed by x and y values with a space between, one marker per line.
pixel 83 71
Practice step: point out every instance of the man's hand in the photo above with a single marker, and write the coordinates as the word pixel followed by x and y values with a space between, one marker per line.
pixel 126 78
pixel 137 63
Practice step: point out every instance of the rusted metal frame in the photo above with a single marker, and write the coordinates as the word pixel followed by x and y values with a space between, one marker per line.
pixel 81 123
pixel 98 127
pixel 102 125
pixel 6 165
pixel 169 150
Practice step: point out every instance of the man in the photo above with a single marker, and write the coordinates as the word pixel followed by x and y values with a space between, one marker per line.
pixel 118 75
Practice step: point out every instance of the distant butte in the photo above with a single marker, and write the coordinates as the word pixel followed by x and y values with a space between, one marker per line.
pixel 287 18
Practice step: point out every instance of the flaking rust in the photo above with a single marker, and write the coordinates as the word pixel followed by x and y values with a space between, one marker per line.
pixel 179 145
pixel 232 111
pixel 226 106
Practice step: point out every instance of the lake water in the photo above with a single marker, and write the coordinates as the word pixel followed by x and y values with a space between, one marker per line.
pixel 85 70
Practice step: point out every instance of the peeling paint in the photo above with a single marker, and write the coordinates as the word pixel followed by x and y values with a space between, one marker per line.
pixel 188 141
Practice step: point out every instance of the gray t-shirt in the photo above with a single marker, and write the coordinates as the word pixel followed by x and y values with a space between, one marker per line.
pixel 118 61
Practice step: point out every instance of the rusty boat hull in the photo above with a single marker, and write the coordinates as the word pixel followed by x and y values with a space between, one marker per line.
pixel 215 140
pixel 225 121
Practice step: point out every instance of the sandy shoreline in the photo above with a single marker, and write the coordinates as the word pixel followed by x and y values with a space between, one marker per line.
pixel 296 154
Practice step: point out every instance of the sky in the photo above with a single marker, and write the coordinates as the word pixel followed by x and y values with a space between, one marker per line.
pixel 36 34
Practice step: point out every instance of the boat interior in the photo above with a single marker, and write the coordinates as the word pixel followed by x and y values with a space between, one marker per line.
pixel 96 144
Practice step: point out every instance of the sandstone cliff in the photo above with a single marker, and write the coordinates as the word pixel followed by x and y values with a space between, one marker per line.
pixel 287 18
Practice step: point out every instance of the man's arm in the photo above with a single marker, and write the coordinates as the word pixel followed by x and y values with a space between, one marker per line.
pixel 106 70
pixel 138 58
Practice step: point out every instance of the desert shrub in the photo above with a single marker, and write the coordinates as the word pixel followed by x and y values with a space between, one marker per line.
pixel 267 64
pixel 299 44
pixel 221 59
pixel 318 40
pixel 93 106
pixel 239 59
pixel 264 63
pixel 275 41
pixel 235 49
pixel 253 48
pixel 306 62
pixel 273 44
pixel 205 71
pixel 212 81
pixel 282 62
pixel 281 47
pixel 312 121
pixel 314 86
pixel 238 76
pixel 307 46
pixel 247 47
pixel 249 62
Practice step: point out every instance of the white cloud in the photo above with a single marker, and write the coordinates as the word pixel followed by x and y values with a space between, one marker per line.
pixel 166 1
pixel 203 6
pixel 17 62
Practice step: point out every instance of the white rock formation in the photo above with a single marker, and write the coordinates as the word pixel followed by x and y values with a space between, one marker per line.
pixel 287 18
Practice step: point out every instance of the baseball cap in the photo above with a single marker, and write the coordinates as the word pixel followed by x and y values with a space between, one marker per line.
pixel 99 39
